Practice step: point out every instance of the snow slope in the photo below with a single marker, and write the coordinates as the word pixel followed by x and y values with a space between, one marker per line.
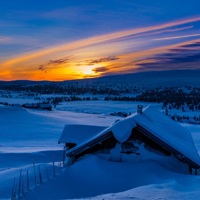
pixel 33 128
pixel 93 176
pixel 166 191
pixel 32 134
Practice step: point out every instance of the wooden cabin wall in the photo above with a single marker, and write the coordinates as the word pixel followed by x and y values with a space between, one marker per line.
pixel 149 144
pixel 106 144
pixel 70 145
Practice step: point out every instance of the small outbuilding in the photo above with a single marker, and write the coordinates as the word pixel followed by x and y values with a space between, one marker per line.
pixel 45 106
pixel 30 105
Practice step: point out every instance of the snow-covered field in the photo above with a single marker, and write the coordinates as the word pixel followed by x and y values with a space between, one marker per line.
pixel 102 107
pixel 27 135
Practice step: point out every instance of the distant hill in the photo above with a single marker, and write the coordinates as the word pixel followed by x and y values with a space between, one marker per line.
pixel 23 82
pixel 153 78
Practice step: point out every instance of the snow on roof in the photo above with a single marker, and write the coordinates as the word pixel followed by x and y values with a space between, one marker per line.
pixel 45 105
pixel 31 105
pixel 76 133
pixel 122 130
pixel 159 125
pixel 168 131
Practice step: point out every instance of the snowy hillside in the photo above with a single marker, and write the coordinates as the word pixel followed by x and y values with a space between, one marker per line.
pixel 94 175
pixel 32 135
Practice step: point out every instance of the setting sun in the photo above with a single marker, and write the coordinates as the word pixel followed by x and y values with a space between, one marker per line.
pixel 88 70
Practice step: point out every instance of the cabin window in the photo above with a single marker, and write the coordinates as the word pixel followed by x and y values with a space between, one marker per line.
pixel 130 147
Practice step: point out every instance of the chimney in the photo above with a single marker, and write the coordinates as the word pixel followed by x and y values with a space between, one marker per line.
pixel 139 109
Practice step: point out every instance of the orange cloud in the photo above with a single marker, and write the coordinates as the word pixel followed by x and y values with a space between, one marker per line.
pixel 182 36
pixel 95 40
pixel 32 64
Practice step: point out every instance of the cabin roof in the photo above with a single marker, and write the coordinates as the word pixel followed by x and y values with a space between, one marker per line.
pixel 159 127
pixel 31 105
pixel 45 105
pixel 77 134
pixel 168 131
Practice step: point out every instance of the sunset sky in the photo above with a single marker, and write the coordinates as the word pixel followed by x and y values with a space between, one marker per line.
pixel 62 40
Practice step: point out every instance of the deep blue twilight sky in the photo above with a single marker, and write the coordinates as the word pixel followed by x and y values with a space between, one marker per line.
pixel 63 40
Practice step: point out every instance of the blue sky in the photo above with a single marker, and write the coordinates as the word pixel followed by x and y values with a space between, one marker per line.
pixel 27 27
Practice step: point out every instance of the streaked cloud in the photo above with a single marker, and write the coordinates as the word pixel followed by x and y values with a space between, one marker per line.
pixel 5 40
pixel 53 63
pixel 177 58
pixel 95 40
pixel 100 69
pixel 97 61
pixel 196 44
pixel 113 53
pixel 177 37
pixel 151 33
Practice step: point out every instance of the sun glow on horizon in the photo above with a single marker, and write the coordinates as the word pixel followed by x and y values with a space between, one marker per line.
pixel 89 69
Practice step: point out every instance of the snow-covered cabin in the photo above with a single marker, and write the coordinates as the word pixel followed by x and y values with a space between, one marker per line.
pixel 30 105
pixel 147 128
pixel 45 106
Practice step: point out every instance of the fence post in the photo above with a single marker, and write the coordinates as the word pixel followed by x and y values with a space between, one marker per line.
pixel 54 170
pixel 47 172
pixel 13 190
pixel 64 154
pixel 40 175
pixel 22 184
pixel 27 181
pixel 34 172
pixel 19 189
